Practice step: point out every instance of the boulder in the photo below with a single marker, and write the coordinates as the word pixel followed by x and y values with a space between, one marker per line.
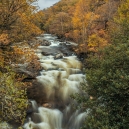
pixel 37 92
pixel 46 53
pixel 47 105
pixel 58 56
pixel 62 43
pixel 45 43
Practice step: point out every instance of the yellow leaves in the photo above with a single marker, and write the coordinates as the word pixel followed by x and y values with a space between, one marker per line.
pixel 95 42
pixel 76 22
pixel 83 20
pixel 1 59
pixel 78 14
pixel 123 12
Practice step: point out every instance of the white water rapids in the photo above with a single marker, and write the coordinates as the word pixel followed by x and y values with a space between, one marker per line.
pixel 59 78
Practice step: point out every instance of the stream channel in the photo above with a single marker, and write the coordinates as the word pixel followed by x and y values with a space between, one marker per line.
pixel 61 77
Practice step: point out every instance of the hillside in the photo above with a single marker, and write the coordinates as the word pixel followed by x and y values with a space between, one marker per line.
pixel 86 22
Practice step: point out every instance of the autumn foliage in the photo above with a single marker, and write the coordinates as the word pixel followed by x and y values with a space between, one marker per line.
pixel 16 20
pixel 93 25
pixel 85 22
pixel 17 26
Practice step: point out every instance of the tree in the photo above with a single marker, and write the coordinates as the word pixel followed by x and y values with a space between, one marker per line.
pixel 58 18
pixel 97 41
pixel 16 24
pixel 83 22
pixel 60 24
pixel 106 91
pixel 9 10
pixel 15 19
pixel 120 28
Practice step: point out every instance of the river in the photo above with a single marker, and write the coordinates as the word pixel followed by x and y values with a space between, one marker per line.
pixel 60 78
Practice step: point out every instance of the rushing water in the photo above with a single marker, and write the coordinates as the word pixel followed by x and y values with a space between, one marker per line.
pixel 59 78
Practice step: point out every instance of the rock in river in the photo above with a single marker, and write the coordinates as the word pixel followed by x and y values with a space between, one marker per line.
pixel 58 56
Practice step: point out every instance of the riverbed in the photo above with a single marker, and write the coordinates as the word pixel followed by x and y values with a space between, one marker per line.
pixel 60 77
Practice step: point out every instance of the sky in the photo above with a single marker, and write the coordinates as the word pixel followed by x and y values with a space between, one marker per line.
pixel 46 3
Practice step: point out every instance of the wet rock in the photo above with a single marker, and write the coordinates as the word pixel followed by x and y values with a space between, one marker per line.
pixel 43 42
pixel 47 105
pixel 68 43
pixel 58 56
pixel 36 92
pixel 65 43
pixel 52 69
pixel 30 71
pixel 29 111
pixel 29 75
pixel 46 53
pixel 62 43
pixel 82 55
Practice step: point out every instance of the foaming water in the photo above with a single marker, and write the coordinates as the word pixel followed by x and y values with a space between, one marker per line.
pixel 77 77
pixel 51 116
pixel 59 79
pixel 32 125
pixel 34 105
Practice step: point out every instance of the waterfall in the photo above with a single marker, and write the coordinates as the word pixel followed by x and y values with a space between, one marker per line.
pixel 59 79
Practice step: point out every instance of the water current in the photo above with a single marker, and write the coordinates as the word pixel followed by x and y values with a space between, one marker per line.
pixel 60 78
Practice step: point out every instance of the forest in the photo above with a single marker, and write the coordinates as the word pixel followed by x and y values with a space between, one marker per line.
pixel 101 30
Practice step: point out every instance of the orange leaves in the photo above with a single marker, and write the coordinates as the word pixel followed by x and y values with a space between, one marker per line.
pixel 83 16
pixel 76 34
pixel 22 54
pixel 25 55
pixel 25 27
pixel 4 39
pixel 76 22
pixel 16 18
pixel 87 21
pixel 81 48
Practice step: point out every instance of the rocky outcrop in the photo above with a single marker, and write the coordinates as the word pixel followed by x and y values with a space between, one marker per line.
pixel 30 69
pixel 35 92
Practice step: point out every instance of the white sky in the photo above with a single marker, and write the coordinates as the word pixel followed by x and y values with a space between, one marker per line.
pixel 46 3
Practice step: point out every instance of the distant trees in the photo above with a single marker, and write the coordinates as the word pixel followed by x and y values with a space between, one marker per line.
pixel 59 24
pixel 85 22
pixel 82 21
pixel 58 18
